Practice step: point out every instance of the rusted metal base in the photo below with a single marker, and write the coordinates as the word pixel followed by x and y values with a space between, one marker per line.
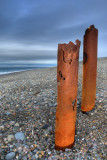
pixel 84 109
pixel 63 148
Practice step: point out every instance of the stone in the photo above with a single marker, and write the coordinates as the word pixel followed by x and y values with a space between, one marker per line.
pixel 12 122
pixel 17 124
pixel 78 102
pixel 55 105
pixel 10 137
pixel 20 136
pixel 24 157
pixel 8 113
pixel 99 106
pixel 45 126
pixel 10 156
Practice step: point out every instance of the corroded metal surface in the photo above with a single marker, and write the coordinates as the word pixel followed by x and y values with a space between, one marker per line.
pixel 89 69
pixel 67 84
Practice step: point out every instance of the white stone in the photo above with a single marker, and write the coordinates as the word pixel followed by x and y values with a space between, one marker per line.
pixel 17 124
pixel 10 137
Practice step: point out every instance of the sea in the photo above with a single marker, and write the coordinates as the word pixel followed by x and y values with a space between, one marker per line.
pixel 7 69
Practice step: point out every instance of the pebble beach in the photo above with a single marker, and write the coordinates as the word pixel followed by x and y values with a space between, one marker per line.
pixel 28 102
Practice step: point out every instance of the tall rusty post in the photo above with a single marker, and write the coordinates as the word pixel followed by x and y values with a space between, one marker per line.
pixel 89 69
pixel 67 84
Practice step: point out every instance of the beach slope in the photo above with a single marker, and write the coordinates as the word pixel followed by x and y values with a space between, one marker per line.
pixel 28 103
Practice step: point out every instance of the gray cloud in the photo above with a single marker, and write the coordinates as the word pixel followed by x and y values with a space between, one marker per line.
pixel 27 55
pixel 47 23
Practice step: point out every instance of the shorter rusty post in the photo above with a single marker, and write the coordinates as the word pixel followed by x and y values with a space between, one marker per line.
pixel 67 84
pixel 89 69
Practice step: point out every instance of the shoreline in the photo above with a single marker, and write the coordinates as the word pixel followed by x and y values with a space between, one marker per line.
pixel 6 73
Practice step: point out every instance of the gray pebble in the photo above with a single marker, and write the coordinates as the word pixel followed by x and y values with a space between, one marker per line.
pixel 20 136
pixel 78 102
pixel 10 156
pixel 12 122
pixel 24 158
pixel 8 113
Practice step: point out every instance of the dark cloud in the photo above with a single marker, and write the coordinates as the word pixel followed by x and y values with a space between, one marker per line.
pixel 47 23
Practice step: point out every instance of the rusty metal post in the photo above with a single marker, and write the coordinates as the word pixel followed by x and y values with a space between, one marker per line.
pixel 89 69
pixel 67 84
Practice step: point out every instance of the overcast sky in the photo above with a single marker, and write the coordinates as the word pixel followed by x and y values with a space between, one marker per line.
pixel 30 30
